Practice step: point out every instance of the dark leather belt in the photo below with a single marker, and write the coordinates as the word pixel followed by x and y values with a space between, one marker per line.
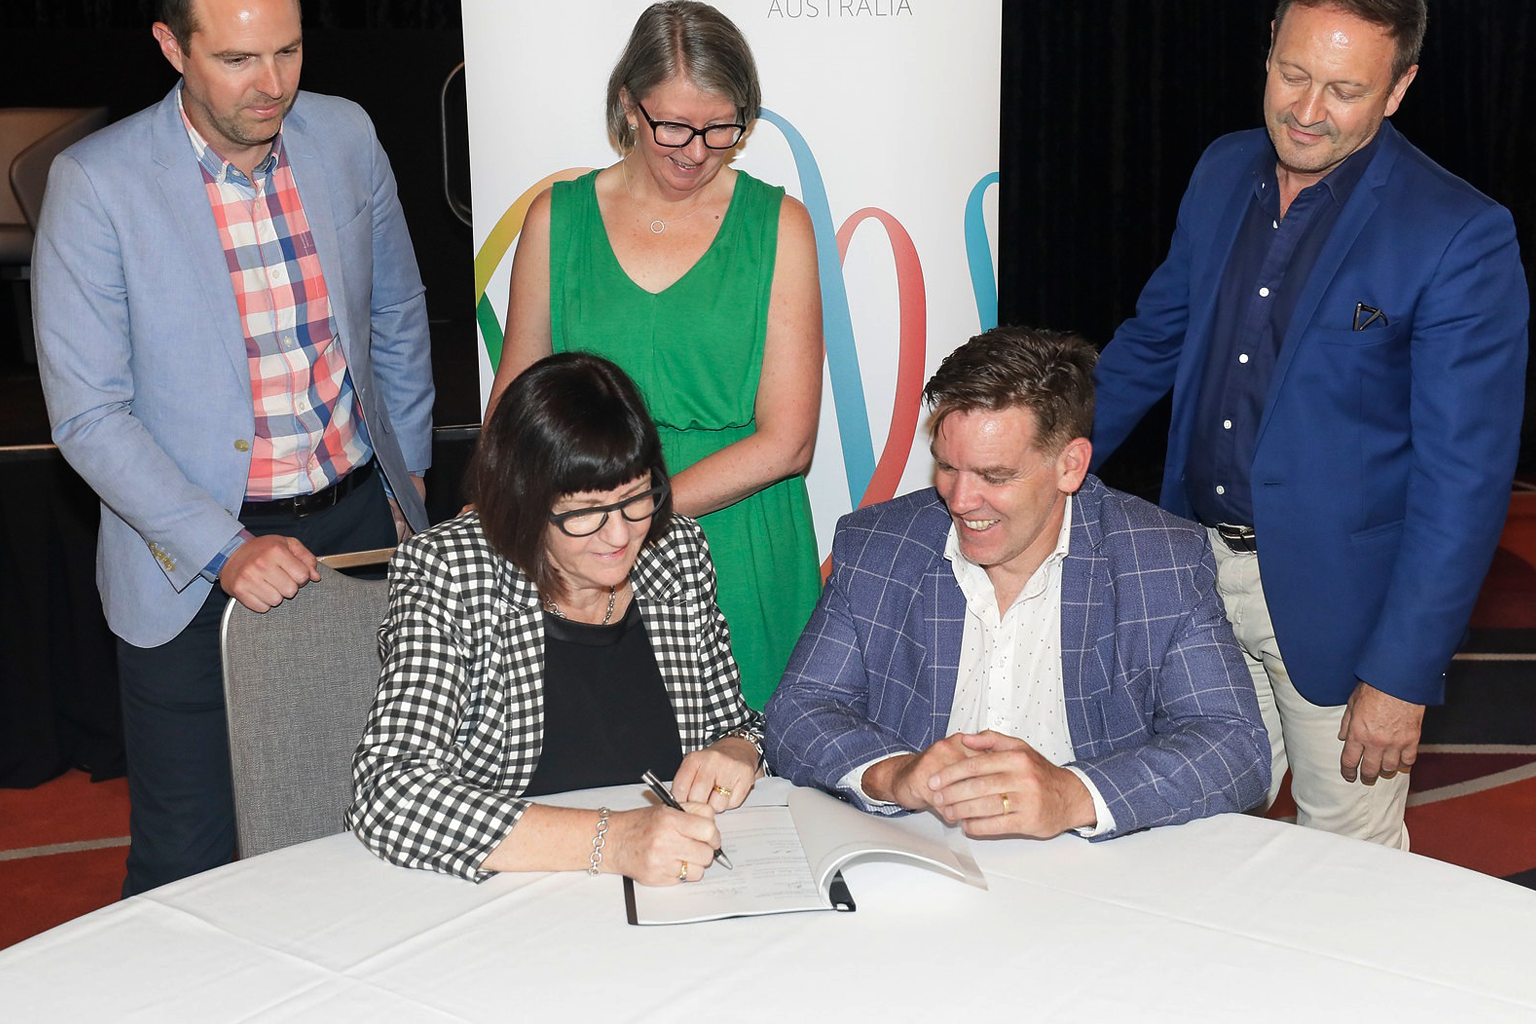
pixel 1238 538
pixel 308 504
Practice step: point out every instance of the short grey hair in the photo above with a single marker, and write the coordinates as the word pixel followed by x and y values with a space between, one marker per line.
pixel 687 38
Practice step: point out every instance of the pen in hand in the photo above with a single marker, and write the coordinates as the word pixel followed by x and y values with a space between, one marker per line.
pixel 661 791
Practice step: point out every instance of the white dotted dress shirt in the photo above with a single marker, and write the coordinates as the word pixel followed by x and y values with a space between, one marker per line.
pixel 1010 664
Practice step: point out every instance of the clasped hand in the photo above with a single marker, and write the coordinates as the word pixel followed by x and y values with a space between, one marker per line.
pixel 990 783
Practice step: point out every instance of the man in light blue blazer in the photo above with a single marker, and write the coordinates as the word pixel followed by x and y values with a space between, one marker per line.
pixel 233 342
pixel 1343 326
pixel 1021 649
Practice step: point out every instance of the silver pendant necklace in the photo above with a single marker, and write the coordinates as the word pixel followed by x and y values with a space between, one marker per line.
pixel 657 225
pixel 554 609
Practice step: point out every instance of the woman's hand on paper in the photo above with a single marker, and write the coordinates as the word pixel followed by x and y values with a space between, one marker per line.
pixel 660 846
pixel 720 775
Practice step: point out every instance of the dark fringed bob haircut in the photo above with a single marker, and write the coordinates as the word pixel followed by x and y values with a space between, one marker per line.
pixel 569 423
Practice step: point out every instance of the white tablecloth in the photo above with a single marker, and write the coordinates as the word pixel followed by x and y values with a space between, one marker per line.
pixel 1226 919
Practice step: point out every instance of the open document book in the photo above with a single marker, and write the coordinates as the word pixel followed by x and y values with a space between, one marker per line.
pixel 788 845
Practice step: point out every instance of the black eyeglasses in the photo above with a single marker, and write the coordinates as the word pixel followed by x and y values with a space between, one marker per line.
pixel 676 134
pixel 584 522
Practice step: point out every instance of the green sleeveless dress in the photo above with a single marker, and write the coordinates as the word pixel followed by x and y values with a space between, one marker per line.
pixel 696 352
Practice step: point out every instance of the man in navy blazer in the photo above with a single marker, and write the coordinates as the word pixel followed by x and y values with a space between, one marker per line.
pixel 1021 649
pixel 172 268
pixel 1343 327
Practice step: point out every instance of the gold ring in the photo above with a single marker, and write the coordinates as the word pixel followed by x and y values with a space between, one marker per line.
pixel 1007 804
pixel 682 876
pixel 723 792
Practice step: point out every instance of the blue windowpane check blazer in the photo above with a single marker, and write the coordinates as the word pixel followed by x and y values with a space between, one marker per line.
pixel 1160 706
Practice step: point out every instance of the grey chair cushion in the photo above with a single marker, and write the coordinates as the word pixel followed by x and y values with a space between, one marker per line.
pixel 298 683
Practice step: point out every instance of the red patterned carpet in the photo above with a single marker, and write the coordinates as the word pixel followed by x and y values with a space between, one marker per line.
pixel 1473 800
pixel 62 847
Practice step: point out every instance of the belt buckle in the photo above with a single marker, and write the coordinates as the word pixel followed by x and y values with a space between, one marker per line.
pixel 306 505
pixel 1238 538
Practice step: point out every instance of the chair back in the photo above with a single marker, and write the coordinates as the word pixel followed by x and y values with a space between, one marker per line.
pixel 30 137
pixel 298 683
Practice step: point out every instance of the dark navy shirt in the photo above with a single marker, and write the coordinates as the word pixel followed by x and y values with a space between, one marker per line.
pixel 1266 271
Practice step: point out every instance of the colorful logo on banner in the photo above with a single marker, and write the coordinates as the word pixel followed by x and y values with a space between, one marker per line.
pixel 870 479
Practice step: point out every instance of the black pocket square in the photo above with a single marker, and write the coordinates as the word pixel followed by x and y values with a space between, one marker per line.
pixel 1365 316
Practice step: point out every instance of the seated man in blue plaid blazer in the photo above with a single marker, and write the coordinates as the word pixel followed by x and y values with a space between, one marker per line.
pixel 1019 648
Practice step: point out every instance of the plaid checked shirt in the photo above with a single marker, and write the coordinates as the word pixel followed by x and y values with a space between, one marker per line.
pixel 308 434
pixel 457 728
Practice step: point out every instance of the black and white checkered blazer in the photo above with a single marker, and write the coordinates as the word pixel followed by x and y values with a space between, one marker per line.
pixel 457 727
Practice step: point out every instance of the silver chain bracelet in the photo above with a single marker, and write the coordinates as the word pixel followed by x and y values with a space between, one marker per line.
pixel 598 840
pixel 753 737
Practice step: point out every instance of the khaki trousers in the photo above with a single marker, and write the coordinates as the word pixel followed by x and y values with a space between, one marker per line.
pixel 1303 735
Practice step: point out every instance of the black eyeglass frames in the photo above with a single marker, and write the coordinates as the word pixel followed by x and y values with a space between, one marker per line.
pixel 584 522
pixel 676 134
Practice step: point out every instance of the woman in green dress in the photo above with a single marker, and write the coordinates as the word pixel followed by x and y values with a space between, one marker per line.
pixel 700 281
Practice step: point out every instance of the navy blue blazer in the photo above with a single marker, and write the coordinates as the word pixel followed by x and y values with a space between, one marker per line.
pixel 1160 706
pixel 1385 456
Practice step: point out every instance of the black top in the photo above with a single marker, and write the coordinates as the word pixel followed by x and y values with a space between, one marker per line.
pixel 607 717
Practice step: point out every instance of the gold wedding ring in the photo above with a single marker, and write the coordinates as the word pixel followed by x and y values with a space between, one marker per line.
pixel 682 876
pixel 723 792
pixel 1007 804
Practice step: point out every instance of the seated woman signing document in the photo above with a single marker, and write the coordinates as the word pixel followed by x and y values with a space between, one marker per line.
pixel 563 635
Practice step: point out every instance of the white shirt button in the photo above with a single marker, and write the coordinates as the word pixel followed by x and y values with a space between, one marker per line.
pixel 1243 358
pixel 1220 489
pixel 1226 424
pixel 1264 293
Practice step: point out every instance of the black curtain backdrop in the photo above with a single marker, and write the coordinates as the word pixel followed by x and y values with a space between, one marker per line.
pixel 96 14
pixel 1107 104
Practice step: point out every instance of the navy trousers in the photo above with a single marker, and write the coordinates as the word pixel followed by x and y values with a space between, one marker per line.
pixel 181 818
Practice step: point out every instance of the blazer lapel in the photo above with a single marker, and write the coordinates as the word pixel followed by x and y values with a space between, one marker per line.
pixel 1087 625
pixel 518 622
pixel 1206 273
pixel 182 193
pixel 309 174
pixel 1357 212
pixel 943 613
pixel 659 592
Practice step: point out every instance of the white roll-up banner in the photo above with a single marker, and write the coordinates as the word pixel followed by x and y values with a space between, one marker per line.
pixel 880 115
